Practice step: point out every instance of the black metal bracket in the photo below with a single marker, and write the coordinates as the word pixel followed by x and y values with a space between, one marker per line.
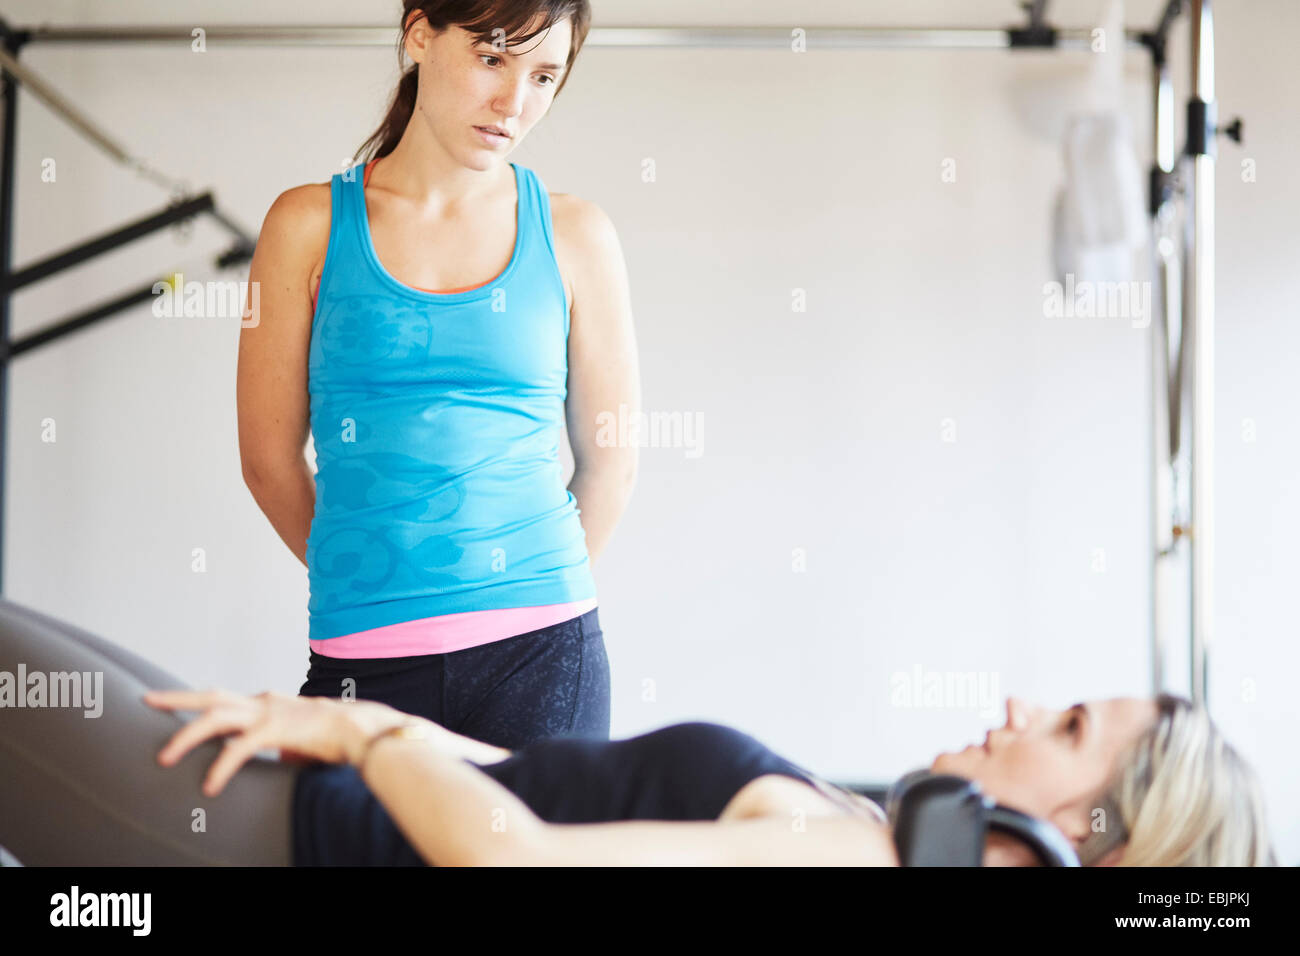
pixel 1160 189
pixel 14 40
pixel 1157 40
pixel 1201 124
pixel 1036 33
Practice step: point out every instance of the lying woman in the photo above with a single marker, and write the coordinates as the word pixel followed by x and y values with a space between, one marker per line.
pixel 1183 795
pixel 388 788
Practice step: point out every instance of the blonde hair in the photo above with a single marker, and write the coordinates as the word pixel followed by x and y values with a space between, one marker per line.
pixel 1185 797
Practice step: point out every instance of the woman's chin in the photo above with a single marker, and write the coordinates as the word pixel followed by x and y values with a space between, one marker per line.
pixel 962 762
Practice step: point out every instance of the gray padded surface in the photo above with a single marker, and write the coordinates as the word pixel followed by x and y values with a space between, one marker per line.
pixel 78 790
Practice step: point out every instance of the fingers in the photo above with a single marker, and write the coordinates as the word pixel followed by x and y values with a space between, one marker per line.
pixel 187 699
pixel 233 756
pixel 215 723
pixel 224 713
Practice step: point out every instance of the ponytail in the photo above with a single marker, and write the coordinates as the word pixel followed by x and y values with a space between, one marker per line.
pixel 384 140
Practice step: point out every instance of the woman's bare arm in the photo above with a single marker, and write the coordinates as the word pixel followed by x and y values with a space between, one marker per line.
pixel 603 373
pixel 758 841
pixel 453 814
pixel 271 382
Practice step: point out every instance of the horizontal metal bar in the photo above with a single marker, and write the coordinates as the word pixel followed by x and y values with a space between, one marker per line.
pixel 78 322
pixel 106 242
pixel 777 38
pixel 247 34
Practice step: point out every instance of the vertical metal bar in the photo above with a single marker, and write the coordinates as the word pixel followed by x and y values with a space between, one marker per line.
pixel 1159 463
pixel 7 159
pixel 1164 126
pixel 1202 359
pixel 1161 479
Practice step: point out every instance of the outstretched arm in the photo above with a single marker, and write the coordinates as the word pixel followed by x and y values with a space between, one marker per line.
pixel 455 815
pixel 757 841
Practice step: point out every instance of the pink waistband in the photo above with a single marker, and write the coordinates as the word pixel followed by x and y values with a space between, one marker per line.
pixel 449 632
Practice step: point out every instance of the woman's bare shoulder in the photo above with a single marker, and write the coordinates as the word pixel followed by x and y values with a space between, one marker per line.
pixel 302 209
pixel 576 220
pixel 587 245
pixel 296 229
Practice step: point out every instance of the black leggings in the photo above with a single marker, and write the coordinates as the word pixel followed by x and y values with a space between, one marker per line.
pixel 551 682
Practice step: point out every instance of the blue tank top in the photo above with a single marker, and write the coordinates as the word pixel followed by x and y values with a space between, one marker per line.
pixel 436 419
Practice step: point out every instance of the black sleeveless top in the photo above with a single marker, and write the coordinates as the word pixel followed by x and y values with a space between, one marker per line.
pixel 687 771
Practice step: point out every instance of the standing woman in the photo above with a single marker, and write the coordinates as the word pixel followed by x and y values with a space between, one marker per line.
pixel 435 316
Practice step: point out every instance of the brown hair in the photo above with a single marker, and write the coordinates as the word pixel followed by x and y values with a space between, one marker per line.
pixel 482 18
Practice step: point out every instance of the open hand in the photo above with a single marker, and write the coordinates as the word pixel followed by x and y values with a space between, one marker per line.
pixel 300 727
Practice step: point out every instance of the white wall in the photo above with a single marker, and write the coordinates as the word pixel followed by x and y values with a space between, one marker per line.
pixel 822 430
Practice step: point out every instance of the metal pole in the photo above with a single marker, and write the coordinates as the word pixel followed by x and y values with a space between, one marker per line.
pixel 1201 133
pixel 1163 264
pixel 82 123
pixel 7 159
pixel 715 37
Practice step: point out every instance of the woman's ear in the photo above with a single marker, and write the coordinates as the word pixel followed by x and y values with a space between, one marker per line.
pixel 418 37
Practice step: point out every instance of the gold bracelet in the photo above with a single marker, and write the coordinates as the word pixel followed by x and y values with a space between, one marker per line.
pixel 407 730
